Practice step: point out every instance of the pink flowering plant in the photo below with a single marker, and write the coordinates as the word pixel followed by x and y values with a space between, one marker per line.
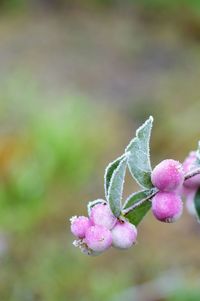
pixel 111 222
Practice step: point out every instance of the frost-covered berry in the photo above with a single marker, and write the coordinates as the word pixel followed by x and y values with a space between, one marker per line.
pixel 189 195
pixel 79 225
pixel 98 238
pixel 168 175
pixel 124 235
pixel 167 206
pixel 81 244
pixel 190 202
pixel 188 165
pixel 101 215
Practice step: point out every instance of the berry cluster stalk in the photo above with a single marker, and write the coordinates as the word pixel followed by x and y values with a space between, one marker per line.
pixel 148 199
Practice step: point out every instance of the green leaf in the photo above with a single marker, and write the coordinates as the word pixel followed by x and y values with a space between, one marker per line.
pixel 109 172
pixel 139 155
pixel 135 216
pixel 197 203
pixel 93 203
pixel 116 187
pixel 138 196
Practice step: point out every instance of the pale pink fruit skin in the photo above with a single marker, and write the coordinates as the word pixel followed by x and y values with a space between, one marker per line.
pixel 124 235
pixel 190 202
pixel 189 165
pixel 80 243
pixel 189 194
pixel 101 215
pixel 185 191
pixel 79 225
pixel 167 206
pixel 98 238
pixel 168 175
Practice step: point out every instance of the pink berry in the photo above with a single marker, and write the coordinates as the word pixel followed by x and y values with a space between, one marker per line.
pixel 168 175
pixel 167 206
pixel 189 194
pixel 188 165
pixel 190 202
pixel 98 238
pixel 185 191
pixel 79 225
pixel 81 244
pixel 124 235
pixel 101 215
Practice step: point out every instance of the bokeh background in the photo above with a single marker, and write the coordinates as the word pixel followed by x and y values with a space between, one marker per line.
pixel 76 80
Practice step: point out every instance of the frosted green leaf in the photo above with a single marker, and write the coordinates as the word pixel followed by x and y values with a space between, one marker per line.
pixel 93 203
pixel 116 187
pixel 139 155
pixel 137 196
pixel 109 172
pixel 137 214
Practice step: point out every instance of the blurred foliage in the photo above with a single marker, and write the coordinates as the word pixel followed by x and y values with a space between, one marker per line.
pixel 186 294
pixel 184 15
pixel 43 142
pixel 148 3
pixel 155 4
pixel 168 4
pixel 48 151
pixel 13 4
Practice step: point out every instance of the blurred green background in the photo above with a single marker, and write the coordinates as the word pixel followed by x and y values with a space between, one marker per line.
pixel 76 80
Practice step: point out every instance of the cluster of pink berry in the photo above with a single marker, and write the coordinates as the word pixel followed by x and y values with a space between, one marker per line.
pixel 101 230
pixel 168 177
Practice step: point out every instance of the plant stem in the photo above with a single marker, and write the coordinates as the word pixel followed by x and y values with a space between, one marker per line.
pixel 148 199
pixel 192 174
pixel 139 203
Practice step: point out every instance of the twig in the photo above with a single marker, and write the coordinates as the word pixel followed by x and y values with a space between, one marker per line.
pixel 189 175
pixel 192 174
pixel 139 203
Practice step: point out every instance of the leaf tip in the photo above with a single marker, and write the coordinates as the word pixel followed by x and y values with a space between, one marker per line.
pixel 151 118
pixel 147 122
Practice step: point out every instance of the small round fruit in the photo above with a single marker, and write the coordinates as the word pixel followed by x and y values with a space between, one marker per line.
pixel 124 235
pixel 167 206
pixel 81 244
pixel 188 165
pixel 168 175
pixel 79 225
pixel 190 202
pixel 101 215
pixel 98 238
